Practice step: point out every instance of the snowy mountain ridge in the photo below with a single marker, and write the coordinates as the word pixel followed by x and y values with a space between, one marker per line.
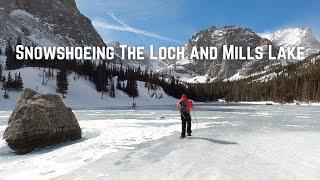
pixel 206 71
pixel 294 37
pixel 220 68
pixel 40 22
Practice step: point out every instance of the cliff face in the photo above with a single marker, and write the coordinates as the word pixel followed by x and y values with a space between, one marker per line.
pixel 46 23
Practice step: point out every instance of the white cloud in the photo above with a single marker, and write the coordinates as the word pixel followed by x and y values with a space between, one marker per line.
pixel 126 28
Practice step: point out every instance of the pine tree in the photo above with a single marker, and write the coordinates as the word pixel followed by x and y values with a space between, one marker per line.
pixel 19 82
pixel 112 89
pixel 19 41
pixel 0 72
pixel 104 77
pixel 62 82
pixel 9 81
pixel 132 88
pixel 318 94
pixel 9 50
pixel 118 86
pixel 305 92
pixel 10 62
pixel 4 79
pixel 6 95
pixel 135 89
pixel 100 77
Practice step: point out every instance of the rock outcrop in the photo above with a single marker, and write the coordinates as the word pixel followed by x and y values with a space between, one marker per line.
pixel 46 23
pixel 39 120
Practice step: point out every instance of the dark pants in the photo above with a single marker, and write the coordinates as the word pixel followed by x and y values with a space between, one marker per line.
pixel 186 119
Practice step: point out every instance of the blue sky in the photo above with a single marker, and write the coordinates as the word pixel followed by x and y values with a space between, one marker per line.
pixel 173 22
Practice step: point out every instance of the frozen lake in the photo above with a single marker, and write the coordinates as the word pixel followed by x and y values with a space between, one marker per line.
pixel 229 142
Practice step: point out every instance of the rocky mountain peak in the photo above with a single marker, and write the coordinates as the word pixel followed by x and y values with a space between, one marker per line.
pixel 220 68
pixel 293 37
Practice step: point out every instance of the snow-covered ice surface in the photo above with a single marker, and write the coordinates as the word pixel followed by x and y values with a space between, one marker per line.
pixel 229 142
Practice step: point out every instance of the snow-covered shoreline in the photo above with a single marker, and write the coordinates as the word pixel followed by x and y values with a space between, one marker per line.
pixel 221 102
pixel 81 92
pixel 276 103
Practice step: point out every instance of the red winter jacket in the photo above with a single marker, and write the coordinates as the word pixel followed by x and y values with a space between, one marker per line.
pixel 189 104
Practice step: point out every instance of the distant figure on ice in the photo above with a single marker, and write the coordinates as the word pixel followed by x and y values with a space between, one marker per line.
pixel 134 105
pixel 185 107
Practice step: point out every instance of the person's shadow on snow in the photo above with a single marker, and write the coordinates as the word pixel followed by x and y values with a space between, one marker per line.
pixel 215 140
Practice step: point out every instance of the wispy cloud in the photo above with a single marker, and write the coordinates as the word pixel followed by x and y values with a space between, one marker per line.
pixel 122 26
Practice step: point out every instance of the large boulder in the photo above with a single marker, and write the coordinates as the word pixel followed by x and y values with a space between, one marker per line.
pixel 39 120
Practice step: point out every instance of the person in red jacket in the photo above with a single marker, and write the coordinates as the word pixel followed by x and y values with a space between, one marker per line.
pixel 185 106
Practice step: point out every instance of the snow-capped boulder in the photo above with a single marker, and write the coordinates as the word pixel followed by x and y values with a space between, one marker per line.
pixel 39 120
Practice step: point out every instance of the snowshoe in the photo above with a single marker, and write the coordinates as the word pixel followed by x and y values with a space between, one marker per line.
pixel 189 133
